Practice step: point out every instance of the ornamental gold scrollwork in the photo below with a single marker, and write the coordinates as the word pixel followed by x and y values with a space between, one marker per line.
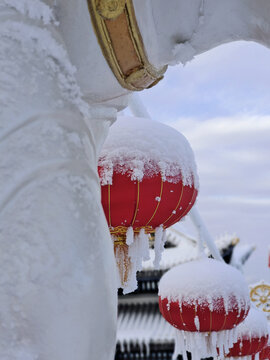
pixel 260 295
pixel 110 9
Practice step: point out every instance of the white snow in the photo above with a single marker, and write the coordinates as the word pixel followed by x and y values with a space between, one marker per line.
pixel 204 279
pixel 143 147
pixel 41 43
pixel 160 239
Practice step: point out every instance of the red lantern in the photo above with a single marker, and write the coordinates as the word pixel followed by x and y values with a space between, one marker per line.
pixel 265 353
pixel 204 300
pixel 144 188
pixel 252 336
pixel 145 204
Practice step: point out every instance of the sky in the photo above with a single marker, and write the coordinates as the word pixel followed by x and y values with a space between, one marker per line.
pixel 221 102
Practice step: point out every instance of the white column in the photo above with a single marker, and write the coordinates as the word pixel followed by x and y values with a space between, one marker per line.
pixel 58 296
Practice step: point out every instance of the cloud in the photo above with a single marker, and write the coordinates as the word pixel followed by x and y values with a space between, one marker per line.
pixel 221 102
pixel 225 81
pixel 233 158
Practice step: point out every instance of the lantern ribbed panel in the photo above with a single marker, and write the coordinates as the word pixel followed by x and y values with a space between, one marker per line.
pixel 265 353
pixel 182 316
pixel 248 346
pixel 145 204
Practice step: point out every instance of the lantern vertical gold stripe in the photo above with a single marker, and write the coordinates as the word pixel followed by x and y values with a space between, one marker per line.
pixel 169 313
pixel 224 322
pixel 180 313
pixel 137 203
pixel 189 207
pixel 178 204
pixel 156 209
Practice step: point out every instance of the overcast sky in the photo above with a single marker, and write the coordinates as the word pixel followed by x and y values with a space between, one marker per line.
pixel 221 102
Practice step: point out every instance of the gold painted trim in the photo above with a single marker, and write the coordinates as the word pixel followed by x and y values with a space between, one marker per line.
pixel 137 203
pixel 260 295
pixel 160 197
pixel 177 206
pixel 108 26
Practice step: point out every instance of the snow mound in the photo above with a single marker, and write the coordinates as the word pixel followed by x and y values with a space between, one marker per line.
pixel 204 279
pixel 143 147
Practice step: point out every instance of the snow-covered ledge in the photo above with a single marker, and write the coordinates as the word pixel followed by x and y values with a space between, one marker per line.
pixel 186 28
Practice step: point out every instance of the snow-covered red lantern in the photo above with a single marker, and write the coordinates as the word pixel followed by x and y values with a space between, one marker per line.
pixel 252 337
pixel 148 182
pixel 265 353
pixel 204 300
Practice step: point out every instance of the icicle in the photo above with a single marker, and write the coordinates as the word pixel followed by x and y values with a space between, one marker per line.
pixel 143 238
pixel 122 260
pixel 204 235
pixel 130 236
pixel 179 347
pixel 160 238
pixel 203 344
pixel 197 323
pixel 138 250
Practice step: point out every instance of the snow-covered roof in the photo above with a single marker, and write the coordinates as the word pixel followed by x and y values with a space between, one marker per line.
pixel 185 249
pixel 142 324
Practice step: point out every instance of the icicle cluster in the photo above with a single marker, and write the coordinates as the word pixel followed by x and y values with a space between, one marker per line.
pixel 129 261
pixel 204 344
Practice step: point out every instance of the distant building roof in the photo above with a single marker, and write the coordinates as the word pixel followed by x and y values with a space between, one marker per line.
pixel 140 324
pixel 184 249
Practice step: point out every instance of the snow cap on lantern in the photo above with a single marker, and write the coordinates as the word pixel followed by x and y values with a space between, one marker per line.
pixel 252 337
pixel 149 182
pixel 204 300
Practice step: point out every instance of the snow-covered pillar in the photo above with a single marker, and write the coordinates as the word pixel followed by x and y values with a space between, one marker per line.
pixel 57 268
pixel 137 107
pixel 204 235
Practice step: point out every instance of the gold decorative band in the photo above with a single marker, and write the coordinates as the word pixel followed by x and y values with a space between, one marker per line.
pixel 120 231
pixel 118 34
